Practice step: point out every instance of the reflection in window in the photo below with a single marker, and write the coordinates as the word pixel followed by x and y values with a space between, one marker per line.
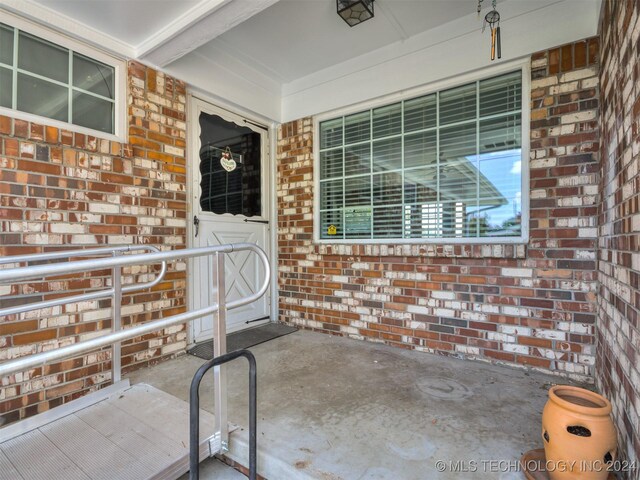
pixel 445 165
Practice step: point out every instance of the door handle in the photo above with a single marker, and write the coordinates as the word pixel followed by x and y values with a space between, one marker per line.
pixel 196 223
pixel 248 220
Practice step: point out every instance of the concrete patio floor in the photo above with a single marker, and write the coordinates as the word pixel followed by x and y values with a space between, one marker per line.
pixel 333 408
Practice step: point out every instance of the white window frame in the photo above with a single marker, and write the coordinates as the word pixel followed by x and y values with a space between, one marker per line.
pixel 120 81
pixel 523 64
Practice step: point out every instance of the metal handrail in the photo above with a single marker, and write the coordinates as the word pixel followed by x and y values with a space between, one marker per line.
pixel 194 411
pixel 36 271
pixel 81 252
pixel 39 257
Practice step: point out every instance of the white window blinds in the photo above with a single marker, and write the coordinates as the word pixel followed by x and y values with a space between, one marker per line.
pixel 444 165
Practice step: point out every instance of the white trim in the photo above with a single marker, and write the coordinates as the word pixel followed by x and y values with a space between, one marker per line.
pixel 179 25
pixel 63 25
pixel 524 64
pixel 120 81
pixel 206 29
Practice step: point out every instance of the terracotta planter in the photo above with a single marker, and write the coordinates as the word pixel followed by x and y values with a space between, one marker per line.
pixel 578 434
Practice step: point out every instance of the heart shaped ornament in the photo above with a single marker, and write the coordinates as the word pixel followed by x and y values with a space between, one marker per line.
pixel 229 164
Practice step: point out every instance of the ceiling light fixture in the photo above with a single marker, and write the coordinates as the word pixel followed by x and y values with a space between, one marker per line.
pixel 355 11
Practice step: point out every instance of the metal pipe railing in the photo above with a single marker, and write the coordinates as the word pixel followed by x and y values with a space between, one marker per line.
pixel 81 252
pixel 40 257
pixel 38 271
pixel 194 411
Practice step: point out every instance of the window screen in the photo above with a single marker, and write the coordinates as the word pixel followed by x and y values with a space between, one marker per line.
pixel 443 165
pixel 42 78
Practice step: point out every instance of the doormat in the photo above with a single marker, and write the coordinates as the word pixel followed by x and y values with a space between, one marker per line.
pixel 244 339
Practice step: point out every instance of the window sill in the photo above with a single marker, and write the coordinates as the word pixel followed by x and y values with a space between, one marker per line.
pixel 411 248
pixel 49 122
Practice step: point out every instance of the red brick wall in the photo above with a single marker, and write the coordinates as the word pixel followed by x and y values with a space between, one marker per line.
pixel 618 352
pixel 528 305
pixel 60 190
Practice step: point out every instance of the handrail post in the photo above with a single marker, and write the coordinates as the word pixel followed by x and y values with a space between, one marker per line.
pixel 220 348
pixel 116 322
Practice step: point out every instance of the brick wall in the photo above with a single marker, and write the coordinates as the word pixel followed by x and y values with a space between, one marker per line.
pixel 60 190
pixel 617 366
pixel 529 305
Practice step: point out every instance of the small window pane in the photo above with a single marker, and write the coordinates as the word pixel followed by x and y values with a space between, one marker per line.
pixel 455 219
pixel 357 191
pixel 357 222
pixel 387 222
pixel 421 185
pixel 420 149
pixel 331 219
pixel 6 87
pixel 457 182
pixel 331 195
pixel 457 142
pixel 500 197
pixel 387 154
pixel 387 188
pixel 331 163
pixel 357 159
pixel 420 113
pixel 93 76
pixel 92 112
pixel 423 220
pixel 458 104
pixel 387 121
pixel 42 98
pixel 498 134
pixel 43 58
pixel 6 44
pixel 357 128
pixel 331 133
pixel 501 94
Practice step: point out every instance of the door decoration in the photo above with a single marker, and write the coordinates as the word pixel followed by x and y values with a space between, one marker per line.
pixel 226 161
pixel 493 20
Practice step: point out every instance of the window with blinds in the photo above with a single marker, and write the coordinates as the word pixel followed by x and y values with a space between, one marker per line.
pixel 443 165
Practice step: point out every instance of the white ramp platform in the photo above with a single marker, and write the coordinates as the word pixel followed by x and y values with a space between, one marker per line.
pixel 127 433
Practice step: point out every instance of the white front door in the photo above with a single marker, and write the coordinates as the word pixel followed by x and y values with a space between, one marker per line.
pixel 229 157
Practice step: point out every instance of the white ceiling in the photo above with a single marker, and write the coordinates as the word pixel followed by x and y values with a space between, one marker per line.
pixel 131 21
pixel 295 38
pixel 284 59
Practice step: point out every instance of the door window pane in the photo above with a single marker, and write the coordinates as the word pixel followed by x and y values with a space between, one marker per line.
pixel 229 186
pixel 93 76
pixel 43 58
pixel 41 97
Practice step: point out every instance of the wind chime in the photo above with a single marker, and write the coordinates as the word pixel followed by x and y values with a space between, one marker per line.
pixel 493 20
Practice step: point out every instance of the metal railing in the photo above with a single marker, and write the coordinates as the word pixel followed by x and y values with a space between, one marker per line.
pixel 194 411
pixel 216 255
pixel 115 292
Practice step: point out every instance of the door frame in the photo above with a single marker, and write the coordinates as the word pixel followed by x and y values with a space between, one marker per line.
pixel 268 185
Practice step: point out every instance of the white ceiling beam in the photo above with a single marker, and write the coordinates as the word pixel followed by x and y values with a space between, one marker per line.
pixel 179 25
pixel 47 17
pixel 188 37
